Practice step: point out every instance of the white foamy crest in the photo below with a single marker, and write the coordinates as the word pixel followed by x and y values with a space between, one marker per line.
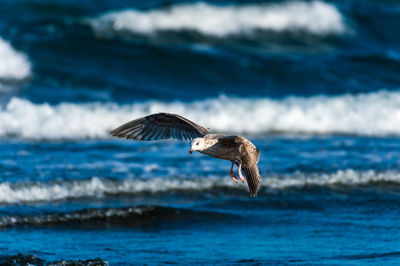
pixel 94 187
pixel 342 177
pixel 97 187
pixel 315 17
pixel 14 65
pixel 375 113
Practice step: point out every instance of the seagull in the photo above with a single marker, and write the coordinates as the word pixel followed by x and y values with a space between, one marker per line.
pixel 239 150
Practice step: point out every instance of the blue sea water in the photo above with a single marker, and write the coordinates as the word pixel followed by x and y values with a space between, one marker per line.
pixel 314 84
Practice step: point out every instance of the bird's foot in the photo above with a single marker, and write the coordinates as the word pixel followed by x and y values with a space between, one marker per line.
pixel 232 174
pixel 234 177
pixel 241 177
pixel 240 173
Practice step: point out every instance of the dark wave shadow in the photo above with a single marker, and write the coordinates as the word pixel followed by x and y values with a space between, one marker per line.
pixel 135 217
pixel 369 256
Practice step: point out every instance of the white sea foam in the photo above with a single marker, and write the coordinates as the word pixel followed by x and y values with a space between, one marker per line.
pixel 97 187
pixel 14 65
pixel 375 113
pixel 315 17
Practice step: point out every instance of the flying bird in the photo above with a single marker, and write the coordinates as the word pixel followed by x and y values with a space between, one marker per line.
pixel 239 150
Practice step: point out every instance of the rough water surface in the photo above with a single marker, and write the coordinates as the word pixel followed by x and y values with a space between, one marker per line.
pixel 314 84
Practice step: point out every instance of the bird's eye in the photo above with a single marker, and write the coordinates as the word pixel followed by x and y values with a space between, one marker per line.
pixel 197 144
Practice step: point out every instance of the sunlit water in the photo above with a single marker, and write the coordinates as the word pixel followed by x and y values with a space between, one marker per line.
pixel 314 84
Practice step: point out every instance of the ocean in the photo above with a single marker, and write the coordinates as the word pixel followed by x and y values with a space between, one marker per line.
pixel 314 84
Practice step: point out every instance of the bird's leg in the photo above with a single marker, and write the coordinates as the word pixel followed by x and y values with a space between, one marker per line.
pixel 232 174
pixel 240 173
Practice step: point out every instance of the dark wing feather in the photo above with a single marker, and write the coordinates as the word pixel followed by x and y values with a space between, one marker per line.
pixel 253 178
pixel 229 141
pixel 160 126
pixel 249 155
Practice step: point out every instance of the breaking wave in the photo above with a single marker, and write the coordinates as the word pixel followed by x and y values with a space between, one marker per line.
pixel 14 65
pixel 99 187
pixel 131 217
pixel 315 17
pixel 374 114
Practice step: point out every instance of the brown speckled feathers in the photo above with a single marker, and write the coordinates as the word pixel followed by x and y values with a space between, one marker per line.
pixel 249 155
pixel 236 149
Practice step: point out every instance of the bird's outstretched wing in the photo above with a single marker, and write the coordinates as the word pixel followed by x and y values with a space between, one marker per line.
pixel 160 126
pixel 249 156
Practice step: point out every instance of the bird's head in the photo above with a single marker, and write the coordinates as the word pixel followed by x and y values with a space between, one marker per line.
pixel 198 144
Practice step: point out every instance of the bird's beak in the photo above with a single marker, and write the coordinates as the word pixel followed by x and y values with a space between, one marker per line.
pixel 190 151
